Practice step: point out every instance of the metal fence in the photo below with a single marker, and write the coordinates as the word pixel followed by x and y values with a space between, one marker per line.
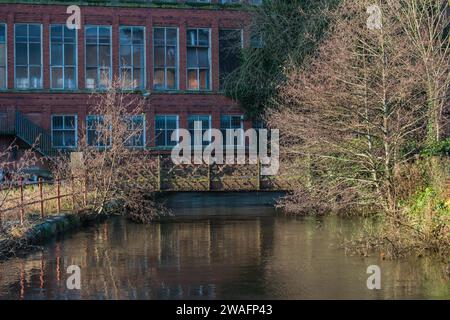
pixel 30 194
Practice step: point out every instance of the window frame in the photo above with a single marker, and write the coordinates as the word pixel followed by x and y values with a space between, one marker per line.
pixel 63 66
pixel 28 57
pixel 204 143
pixel 242 142
pixel 97 145
pixel 166 145
pixel 98 66
pixel 64 129
pixel 144 56
pixel 177 60
pixel 6 56
pixel 144 131
pixel 210 85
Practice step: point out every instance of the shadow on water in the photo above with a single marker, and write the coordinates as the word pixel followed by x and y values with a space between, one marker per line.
pixel 228 252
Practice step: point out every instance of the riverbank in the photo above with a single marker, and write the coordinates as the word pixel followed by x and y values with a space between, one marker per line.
pixel 26 239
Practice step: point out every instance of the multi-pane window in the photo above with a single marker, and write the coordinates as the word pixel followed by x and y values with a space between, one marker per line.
pixel 199 124
pixel 98 57
pixel 198 59
pixel 136 131
pixel 231 122
pixel 132 57
pixel 64 131
pixel 165 52
pixel 256 39
pixel 28 56
pixel 230 45
pixel 2 56
pixel 165 125
pixel 98 132
pixel 63 57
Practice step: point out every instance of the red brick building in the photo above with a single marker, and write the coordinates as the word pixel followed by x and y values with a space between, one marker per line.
pixel 172 52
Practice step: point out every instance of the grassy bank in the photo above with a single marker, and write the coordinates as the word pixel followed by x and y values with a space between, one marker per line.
pixel 24 239
pixel 421 225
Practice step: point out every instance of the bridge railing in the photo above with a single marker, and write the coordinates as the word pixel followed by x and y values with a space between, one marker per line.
pixel 218 177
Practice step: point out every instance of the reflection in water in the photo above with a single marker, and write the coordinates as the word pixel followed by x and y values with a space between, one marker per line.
pixel 256 258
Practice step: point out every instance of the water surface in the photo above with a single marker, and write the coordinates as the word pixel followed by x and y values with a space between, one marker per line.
pixel 247 252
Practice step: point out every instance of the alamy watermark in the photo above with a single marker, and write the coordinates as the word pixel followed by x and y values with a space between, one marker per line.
pixel 231 149
pixel 74 280
pixel 74 20
pixel 374 280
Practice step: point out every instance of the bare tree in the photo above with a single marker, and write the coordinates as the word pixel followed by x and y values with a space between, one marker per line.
pixel 111 154
pixel 354 108
pixel 426 25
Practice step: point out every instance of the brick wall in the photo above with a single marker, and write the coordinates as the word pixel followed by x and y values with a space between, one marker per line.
pixel 41 104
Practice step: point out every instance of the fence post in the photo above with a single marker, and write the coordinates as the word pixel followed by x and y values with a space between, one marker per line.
pixel 159 172
pixel 72 183
pixel 22 210
pixel 41 198
pixel 58 194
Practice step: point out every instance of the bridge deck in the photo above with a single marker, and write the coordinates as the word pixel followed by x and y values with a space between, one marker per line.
pixel 216 178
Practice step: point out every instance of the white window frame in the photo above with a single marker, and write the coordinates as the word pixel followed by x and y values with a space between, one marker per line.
pixel 229 128
pixel 209 128
pixel 28 56
pixel 144 132
pixel 76 130
pixel 99 68
pixel 96 116
pixel 177 130
pixel 63 66
pixel 144 77
pixel 6 56
pixel 177 60
pixel 197 68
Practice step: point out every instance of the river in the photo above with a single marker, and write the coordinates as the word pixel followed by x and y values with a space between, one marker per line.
pixel 219 251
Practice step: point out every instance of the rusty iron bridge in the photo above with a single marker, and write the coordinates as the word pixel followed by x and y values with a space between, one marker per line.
pixel 170 177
